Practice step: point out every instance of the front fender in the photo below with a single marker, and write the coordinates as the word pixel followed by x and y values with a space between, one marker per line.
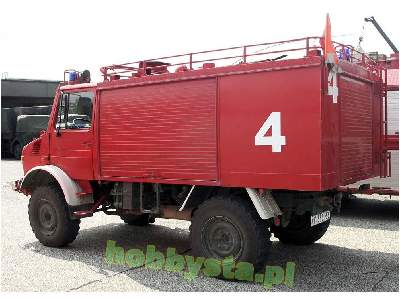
pixel 71 189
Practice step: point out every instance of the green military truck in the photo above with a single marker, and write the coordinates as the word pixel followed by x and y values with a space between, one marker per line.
pixel 18 128
pixel 27 129
pixel 8 124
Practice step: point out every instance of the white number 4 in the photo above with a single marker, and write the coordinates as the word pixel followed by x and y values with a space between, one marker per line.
pixel 276 140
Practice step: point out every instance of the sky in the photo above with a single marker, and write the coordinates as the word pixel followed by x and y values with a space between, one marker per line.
pixel 40 39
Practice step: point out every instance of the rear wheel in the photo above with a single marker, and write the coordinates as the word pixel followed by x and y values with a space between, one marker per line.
pixel 299 231
pixel 141 220
pixel 230 227
pixel 49 217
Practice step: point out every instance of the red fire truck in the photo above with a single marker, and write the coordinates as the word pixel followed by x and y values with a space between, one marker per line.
pixel 242 142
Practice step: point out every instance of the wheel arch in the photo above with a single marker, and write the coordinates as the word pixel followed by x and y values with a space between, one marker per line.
pixel 264 203
pixel 43 175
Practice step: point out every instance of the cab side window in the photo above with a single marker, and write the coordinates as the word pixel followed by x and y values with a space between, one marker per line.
pixel 75 110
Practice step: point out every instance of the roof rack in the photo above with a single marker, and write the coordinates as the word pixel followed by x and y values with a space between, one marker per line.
pixel 295 48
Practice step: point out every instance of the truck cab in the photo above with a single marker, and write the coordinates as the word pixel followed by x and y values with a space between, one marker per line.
pixel 67 142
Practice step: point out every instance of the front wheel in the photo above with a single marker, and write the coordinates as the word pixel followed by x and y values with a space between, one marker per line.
pixel 49 217
pixel 299 231
pixel 230 227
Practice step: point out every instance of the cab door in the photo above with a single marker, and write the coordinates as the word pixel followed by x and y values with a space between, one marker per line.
pixel 71 140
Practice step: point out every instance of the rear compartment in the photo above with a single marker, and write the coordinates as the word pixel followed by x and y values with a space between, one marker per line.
pixel 202 128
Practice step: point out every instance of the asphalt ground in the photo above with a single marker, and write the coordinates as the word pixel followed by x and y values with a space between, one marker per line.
pixel 360 252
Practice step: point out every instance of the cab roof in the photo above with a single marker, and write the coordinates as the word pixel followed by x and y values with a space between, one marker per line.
pixel 78 86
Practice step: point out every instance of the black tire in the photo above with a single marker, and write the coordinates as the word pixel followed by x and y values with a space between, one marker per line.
pixel 49 217
pixel 17 150
pixel 300 232
pixel 347 200
pixel 140 220
pixel 234 220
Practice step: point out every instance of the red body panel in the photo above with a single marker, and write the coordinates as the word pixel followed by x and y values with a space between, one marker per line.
pixel 356 149
pixel 203 126
pixel 160 131
pixel 351 129
pixel 245 102
pixel 72 152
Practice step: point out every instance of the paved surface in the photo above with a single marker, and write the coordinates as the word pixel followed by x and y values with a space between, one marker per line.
pixel 359 253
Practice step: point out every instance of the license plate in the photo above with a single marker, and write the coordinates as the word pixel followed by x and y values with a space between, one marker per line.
pixel 320 218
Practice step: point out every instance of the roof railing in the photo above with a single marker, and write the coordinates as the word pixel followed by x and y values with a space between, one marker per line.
pixel 295 48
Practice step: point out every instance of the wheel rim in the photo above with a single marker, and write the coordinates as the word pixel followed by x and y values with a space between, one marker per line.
pixel 47 217
pixel 222 238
